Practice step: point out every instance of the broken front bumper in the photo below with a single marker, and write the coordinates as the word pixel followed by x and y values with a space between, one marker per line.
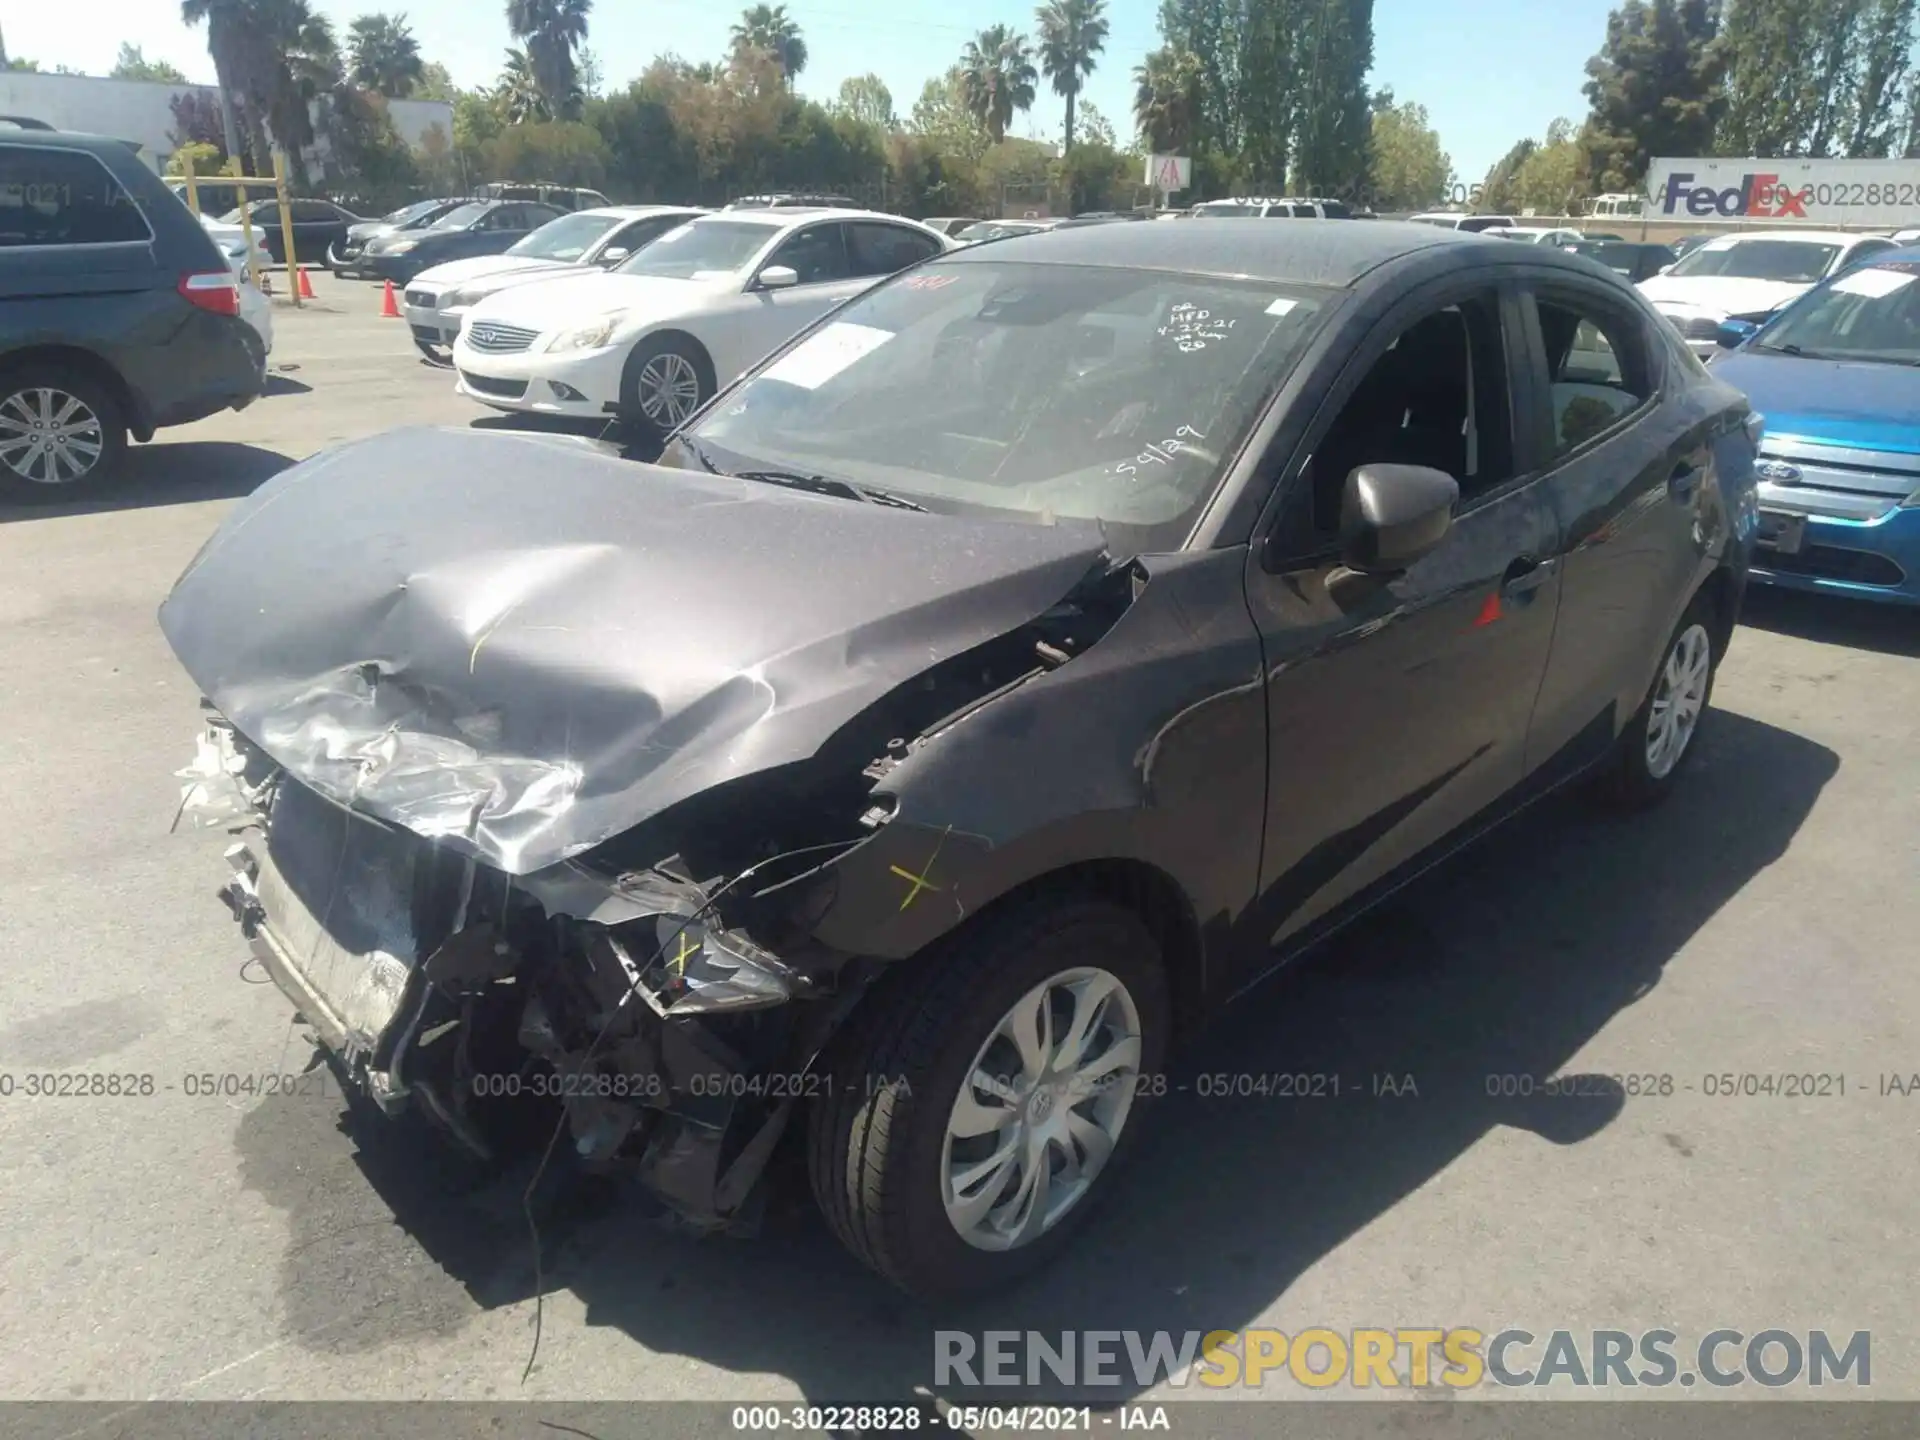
pixel 657 1032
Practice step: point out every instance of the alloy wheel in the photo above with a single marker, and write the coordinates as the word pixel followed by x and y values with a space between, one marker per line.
pixel 1678 699
pixel 669 389
pixel 1041 1109
pixel 48 436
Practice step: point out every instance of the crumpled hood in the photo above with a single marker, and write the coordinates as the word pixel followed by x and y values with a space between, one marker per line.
pixel 571 300
pixel 523 647
pixel 1720 294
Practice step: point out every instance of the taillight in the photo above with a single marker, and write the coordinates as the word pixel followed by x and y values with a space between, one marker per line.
pixel 217 291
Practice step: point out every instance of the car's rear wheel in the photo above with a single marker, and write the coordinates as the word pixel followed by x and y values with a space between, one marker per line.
pixel 1663 731
pixel 62 434
pixel 983 1096
pixel 667 378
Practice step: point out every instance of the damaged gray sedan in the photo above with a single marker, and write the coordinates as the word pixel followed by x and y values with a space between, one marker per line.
pixel 1016 666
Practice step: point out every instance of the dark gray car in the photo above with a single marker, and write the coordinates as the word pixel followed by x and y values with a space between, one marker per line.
pixel 995 681
pixel 118 314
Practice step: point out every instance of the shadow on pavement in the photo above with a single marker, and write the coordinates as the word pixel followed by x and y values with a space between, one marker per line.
pixel 1834 619
pixel 1507 961
pixel 170 472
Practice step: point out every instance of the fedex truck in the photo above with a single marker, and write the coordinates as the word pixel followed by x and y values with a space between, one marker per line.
pixel 1880 194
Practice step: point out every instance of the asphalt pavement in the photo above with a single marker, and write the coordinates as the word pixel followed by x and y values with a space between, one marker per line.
pixel 163 1244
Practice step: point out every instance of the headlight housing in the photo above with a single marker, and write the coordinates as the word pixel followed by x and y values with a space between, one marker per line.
pixel 396 247
pixel 590 336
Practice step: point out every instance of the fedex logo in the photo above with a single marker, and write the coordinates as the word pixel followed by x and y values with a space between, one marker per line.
pixel 1756 195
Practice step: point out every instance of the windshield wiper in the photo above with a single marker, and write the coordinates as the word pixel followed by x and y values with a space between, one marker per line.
pixel 829 485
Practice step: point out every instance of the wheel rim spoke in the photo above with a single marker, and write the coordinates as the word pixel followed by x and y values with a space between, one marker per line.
pixel 1030 1027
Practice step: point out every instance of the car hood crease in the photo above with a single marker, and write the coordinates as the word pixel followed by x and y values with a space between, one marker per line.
pixel 521 646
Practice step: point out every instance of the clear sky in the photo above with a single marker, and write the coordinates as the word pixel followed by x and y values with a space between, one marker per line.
pixel 1489 71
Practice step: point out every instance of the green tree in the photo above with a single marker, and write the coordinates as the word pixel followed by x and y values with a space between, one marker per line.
pixel 1410 170
pixel 133 64
pixel 771 31
pixel 997 79
pixel 435 83
pixel 1072 35
pixel 1332 131
pixel 550 31
pixel 1553 177
pixel 1874 123
pixel 1167 103
pixel 1655 88
pixel 240 62
pixel 942 117
pixel 566 152
pixel 1501 189
pixel 383 55
pixel 518 96
pixel 1097 129
pixel 592 79
pixel 866 100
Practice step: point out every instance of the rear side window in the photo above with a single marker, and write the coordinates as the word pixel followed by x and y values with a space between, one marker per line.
pixel 63 197
pixel 1598 365
pixel 883 249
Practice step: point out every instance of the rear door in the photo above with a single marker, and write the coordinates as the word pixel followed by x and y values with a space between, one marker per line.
pixel 1625 441
pixel 816 253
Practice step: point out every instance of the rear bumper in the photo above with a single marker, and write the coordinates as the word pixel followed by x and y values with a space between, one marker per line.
pixel 1876 559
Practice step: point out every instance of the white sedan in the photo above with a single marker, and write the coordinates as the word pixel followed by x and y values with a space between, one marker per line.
pixel 654 340
pixel 438 299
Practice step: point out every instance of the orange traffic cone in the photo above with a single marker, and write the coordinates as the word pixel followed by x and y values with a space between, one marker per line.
pixel 389 307
pixel 306 285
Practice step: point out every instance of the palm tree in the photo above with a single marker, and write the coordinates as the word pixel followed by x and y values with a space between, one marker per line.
pixel 231 41
pixel 305 68
pixel 551 31
pixel 997 78
pixel 518 96
pixel 1072 34
pixel 1166 100
pixel 386 57
pixel 770 28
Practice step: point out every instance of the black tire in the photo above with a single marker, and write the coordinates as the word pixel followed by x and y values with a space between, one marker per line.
pixel 1631 781
pixel 641 426
pixel 875 1140
pixel 18 402
pixel 437 355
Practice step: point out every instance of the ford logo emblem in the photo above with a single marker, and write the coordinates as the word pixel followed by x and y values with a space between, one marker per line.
pixel 1778 471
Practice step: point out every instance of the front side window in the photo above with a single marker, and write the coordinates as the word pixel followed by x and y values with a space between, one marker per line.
pixel 1871 314
pixel 1029 392
pixel 817 254
pixel 1597 368
pixel 63 197
pixel 1795 261
pixel 565 239
pixel 699 249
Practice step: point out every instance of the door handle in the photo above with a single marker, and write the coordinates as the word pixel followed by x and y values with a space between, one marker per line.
pixel 1525 574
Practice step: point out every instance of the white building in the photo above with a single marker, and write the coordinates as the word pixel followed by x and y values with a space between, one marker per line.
pixel 141 111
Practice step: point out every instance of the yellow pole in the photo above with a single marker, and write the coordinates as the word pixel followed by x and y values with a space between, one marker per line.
pixel 246 217
pixel 286 225
pixel 193 190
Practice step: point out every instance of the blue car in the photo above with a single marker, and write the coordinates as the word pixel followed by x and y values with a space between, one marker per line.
pixel 1837 376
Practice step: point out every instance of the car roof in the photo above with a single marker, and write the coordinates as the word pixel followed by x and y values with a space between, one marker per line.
pixel 1330 253
pixel 68 139
pixel 787 216
pixel 625 212
pixel 1817 237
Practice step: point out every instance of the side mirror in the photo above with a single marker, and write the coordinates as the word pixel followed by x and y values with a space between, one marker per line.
pixel 615 255
pixel 1732 334
pixel 778 277
pixel 1391 516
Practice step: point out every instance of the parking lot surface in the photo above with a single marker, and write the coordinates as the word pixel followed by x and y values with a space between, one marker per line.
pixel 176 1245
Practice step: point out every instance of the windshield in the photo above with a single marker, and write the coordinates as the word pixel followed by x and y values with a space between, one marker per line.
pixel 1799 261
pixel 1029 392
pixel 407 214
pixel 461 216
pixel 1871 314
pixel 702 247
pixel 995 230
pixel 567 238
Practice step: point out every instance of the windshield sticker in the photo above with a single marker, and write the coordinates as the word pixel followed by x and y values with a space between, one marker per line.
pixel 1191 327
pixel 1282 307
pixel 1161 453
pixel 1873 283
pixel 928 282
pixel 821 357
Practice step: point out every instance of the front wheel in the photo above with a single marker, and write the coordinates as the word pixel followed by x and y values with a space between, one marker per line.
pixel 438 355
pixel 62 435
pixel 983 1095
pixel 1661 734
pixel 667 378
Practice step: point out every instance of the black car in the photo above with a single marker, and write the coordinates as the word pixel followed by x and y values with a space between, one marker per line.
pixel 318 225
pixel 1634 262
pixel 543 192
pixel 343 257
pixel 118 314
pixel 480 227
pixel 997 679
